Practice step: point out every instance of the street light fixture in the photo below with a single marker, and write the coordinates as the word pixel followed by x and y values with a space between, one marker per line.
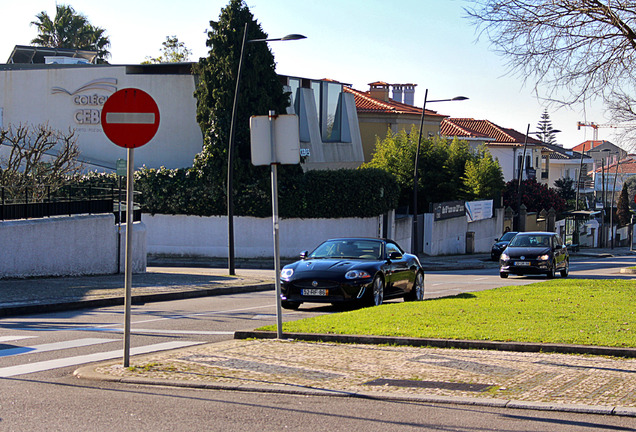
pixel 230 151
pixel 414 242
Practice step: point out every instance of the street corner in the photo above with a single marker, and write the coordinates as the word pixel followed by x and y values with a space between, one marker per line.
pixel 492 378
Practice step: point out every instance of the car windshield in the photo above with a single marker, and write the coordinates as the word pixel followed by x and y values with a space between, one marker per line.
pixel 507 236
pixel 351 249
pixel 530 240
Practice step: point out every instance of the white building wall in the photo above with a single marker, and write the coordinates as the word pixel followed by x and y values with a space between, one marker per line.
pixel 505 156
pixel 72 97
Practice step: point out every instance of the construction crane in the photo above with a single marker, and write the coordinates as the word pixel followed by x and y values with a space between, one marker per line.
pixel 596 126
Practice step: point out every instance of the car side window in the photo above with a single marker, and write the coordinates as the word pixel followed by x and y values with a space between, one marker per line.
pixel 557 241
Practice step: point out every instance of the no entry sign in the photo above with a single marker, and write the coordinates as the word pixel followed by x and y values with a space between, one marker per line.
pixel 130 118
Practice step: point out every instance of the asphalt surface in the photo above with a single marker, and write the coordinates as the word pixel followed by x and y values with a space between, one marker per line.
pixel 477 373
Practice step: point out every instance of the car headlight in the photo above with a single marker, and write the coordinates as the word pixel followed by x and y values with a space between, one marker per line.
pixel 545 257
pixel 357 274
pixel 505 257
pixel 286 273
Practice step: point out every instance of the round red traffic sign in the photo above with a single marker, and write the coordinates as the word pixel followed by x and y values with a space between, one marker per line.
pixel 130 118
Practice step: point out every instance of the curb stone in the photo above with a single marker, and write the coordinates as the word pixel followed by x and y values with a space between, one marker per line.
pixel 445 343
pixel 89 373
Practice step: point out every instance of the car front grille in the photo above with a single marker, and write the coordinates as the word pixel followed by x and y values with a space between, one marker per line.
pixel 310 284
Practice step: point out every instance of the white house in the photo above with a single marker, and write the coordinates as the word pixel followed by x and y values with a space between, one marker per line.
pixel 505 145
pixel 69 93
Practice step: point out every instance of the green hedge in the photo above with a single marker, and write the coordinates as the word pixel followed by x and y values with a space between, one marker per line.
pixel 314 194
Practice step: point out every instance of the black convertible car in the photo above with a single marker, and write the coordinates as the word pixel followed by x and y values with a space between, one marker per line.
pixel 365 270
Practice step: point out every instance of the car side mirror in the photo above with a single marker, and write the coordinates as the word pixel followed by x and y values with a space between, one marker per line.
pixel 304 254
pixel 395 256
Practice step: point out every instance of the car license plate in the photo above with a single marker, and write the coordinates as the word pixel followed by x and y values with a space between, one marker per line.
pixel 522 263
pixel 315 292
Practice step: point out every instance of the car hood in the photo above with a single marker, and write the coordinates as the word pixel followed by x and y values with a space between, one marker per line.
pixel 516 252
pixel 329 265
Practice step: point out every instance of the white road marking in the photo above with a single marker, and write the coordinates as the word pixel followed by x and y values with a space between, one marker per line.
pixel 157 331
pixel 54 346
pixel 14 338
pixel 70 327
pixel 77 360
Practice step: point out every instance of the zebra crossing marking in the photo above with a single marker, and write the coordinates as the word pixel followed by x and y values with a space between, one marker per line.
pixel 14 338
pixel 42 366
pixel 77 343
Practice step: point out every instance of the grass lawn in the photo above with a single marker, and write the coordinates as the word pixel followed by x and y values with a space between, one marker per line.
pixel 572 311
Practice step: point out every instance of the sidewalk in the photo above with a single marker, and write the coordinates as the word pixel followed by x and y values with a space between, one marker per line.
pixel 591 384
pixel 554 382
pixel 40 295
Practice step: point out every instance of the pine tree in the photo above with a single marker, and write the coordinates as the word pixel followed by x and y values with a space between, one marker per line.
pixel 545 129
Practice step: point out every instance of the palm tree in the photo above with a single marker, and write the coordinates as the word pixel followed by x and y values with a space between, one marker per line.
pixel 70 29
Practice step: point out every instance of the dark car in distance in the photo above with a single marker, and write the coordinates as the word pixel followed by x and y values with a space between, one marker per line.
pixel 501 244
pixel 347 270
pixel 531 253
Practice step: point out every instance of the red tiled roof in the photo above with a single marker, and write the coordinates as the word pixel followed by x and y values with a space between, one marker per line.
pixel 625 166
pixel 471 128
pixel 588 145
pixel 367 104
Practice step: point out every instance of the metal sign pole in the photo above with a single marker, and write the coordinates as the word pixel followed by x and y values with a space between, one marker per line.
pixel 129 236
pixel 274 164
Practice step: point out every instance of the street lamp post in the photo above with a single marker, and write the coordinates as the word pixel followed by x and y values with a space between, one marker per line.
pixel 414 242
pixel 230 151
pixel 578 183
pixel 523 161
pixel 618 162
pixel 604 198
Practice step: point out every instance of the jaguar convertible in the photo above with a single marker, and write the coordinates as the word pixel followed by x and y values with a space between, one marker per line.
pixel 345 270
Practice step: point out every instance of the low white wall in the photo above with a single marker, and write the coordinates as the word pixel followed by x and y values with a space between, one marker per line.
pixel 66 246
pixel 448 236
pixel 181 235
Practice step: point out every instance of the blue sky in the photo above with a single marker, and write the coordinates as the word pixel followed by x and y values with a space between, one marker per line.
pixel 426 42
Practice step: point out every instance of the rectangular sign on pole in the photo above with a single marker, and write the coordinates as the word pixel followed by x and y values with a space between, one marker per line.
pixel 285 136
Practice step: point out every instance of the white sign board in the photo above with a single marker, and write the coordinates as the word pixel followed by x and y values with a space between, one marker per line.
pixel 478 210
pixel 283 131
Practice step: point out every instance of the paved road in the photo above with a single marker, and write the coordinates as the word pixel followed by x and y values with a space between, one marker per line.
pixel 39 353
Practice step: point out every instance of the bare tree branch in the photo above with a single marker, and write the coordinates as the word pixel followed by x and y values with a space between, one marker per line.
pixel 573 50
pixel 37 157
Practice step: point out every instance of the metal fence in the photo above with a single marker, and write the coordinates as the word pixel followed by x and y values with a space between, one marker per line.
pixel 43 201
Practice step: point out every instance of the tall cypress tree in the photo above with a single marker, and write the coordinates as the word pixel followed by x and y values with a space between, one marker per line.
pixel 260 91
pixel 622 207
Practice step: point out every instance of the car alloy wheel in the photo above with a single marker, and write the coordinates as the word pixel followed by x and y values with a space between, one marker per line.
pixel 552 272
pixel 417 292
pixel 566 269
pixel 378 291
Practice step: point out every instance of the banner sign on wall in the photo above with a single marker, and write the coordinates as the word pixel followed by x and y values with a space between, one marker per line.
pixel 448 210
pixel 478 210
